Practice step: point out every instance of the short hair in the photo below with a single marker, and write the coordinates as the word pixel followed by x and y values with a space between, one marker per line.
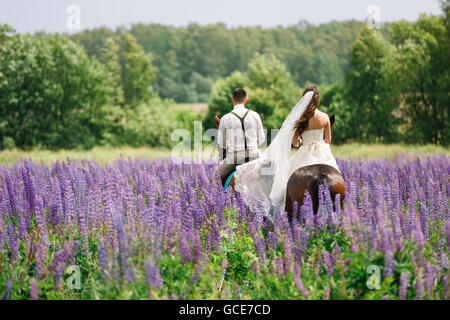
pixel 239 95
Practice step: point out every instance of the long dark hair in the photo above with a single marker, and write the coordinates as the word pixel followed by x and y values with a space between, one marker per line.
pixel 302 124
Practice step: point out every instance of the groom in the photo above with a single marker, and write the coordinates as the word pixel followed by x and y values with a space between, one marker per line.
pixel 240 134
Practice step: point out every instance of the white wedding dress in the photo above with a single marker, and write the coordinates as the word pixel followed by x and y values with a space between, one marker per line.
pixel 265 179
pixel 314 150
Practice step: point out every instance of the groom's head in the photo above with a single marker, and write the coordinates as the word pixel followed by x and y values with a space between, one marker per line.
pixel 239 96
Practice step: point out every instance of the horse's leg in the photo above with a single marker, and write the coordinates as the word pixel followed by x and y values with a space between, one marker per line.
pixel 290 205
pixel 295 193
pixel 314 192
pixel 337 189
pixel 288 208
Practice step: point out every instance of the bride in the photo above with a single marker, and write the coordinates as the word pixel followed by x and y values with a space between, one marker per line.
pixel 266 177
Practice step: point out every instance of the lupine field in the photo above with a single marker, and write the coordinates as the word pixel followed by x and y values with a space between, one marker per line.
pixel 141 229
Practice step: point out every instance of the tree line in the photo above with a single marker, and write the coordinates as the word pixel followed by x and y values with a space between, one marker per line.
pixel 396 88
pixel 53 95
pixel 104 87
pixel 189 60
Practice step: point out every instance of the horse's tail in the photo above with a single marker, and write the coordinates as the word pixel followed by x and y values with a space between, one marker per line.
pixel 315 183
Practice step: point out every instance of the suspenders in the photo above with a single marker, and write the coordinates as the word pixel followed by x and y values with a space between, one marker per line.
pixel 243 129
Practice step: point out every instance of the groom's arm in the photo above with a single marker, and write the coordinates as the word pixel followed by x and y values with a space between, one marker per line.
pixel 221 136
pixel 261 135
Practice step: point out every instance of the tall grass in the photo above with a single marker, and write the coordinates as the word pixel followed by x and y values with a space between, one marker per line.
pixel 103 154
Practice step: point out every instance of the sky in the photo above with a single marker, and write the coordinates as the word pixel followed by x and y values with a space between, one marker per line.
pixel 53 15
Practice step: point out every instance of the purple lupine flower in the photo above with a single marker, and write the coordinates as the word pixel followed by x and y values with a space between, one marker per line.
pixel 257 242
pixel 102 260
pixel 418 235
pixel 157 200
pixel 152 275
pixel 388 262
pixel 123 247
pixel 403 286
pixel 447 226
pixel 445 281
pixel 348 261
pixel 11 195
pixel 197 249
pixel 419 287
pixel 184 248
pixel 34 290
pixel 131 273
pixel 287 255
pixel 299 283
pixel 429 279
pixel 279 267
pixel 39 259
pixel 5 295
pixel 326 293
pixel 328 260
pixel 254 267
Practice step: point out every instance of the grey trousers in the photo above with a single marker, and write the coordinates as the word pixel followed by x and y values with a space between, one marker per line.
pixel 226 167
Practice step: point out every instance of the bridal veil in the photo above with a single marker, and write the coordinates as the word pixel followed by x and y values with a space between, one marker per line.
pixel 266 178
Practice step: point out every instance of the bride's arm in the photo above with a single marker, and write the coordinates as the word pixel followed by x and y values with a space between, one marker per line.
pixel 327 132
pixel 295 141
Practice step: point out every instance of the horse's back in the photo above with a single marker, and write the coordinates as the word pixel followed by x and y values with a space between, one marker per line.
pixel 316 172
pixel 309 178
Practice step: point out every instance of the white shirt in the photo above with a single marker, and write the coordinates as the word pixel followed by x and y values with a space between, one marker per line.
pixel 231 136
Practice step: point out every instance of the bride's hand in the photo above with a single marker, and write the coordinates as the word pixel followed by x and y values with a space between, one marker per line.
pixel 295 141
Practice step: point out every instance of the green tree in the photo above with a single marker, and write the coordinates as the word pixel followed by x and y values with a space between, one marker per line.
pixel 270 88
pixel 50 93
pixel 110 58
pixel 139 72
pixel 333 100
pixel 220 98
pixel 373 88
pixel 6 32
pixel 424 66
pixel 318 54
pixel 272 91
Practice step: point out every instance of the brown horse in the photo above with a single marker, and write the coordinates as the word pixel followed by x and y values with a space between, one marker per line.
pixel 308 179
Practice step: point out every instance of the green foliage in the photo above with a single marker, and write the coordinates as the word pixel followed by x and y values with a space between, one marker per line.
pixel 237 280
pixel 333 100
pixel 5 32
pixel 311 53
pixel 51 93
pixel 423 61
pixel 220 99
pixel 389 86
pixel 398 88
pixel 184 119
pixel 139 72
pixel 111 60
pixel 373 89
pixel 145 124
pixel 271 91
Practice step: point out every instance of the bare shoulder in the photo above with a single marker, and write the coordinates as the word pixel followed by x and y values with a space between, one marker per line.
pixel 322 116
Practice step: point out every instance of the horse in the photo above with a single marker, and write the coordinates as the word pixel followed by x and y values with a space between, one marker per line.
pixel 308 179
